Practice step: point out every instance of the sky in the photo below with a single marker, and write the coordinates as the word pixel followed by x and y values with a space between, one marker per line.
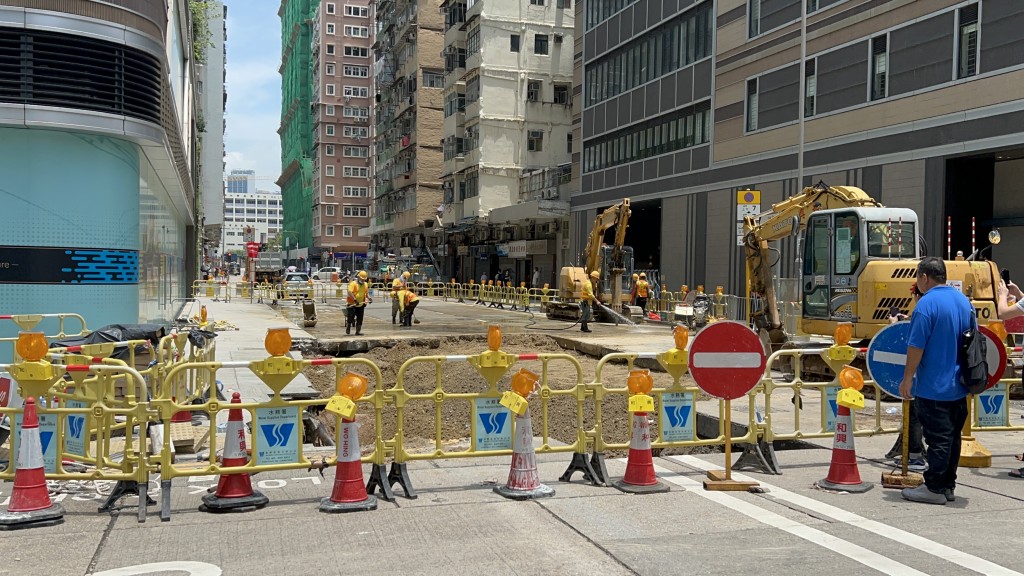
pixel 254 89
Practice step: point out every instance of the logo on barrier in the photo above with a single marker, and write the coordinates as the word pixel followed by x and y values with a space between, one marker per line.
pixel 47 431
pixel 677 423
pixel 492 430
pixel 5 390
pixel 74 434
pixel 831 407
pixel 991 406
pixel 276 443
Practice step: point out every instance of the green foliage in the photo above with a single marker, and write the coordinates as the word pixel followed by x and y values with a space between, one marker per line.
pixel 201 35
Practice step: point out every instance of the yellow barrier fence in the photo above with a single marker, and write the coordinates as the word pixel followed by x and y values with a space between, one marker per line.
pixel 53 326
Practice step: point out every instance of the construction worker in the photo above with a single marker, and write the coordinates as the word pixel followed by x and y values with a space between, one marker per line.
pixel 407 302
pixel 524 297
pixel 632 290
pixel 643 291
pixel 396 286
pixel 588 301
pixel 358 296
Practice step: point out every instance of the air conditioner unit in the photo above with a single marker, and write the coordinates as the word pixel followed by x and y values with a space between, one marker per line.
pixel 558 38
pixel 565 243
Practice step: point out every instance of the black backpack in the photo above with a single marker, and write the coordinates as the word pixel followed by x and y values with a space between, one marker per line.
pixel 973 363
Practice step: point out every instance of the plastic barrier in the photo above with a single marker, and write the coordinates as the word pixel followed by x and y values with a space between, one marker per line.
pixel 53 326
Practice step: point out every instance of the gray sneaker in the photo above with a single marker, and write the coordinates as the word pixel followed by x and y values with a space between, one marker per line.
pixel 917 465
pixel 924 495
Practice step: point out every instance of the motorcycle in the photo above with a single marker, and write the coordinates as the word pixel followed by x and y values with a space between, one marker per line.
pixel 701 311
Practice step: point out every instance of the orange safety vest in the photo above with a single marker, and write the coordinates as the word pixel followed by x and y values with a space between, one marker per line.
pixel 641 289
pixel 357 293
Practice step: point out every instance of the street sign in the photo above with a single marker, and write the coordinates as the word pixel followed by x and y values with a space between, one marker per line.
pixel 995 355
pixel 748 203
pixel 277 439
pixel 492 425
pixel 990 406
pixel 678 416
pixel 887 356
pixel 726 360
pixel 250 234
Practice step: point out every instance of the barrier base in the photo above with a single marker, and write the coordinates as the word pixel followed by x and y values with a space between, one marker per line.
pixel 384 480
pixel 594 470
pixel 852 488
pixel 973 454
pixel 211 503
pixel 125 488
pixel 760 457
pixel 51 516
pixel 656 488
pixel 717 482
pixel 329 506
pixel 542 491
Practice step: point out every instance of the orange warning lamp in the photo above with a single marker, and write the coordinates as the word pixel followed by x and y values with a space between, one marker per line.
pixel 278 341
pixel 843 333
pixel 524 382
pixel 202 314
pixel 640 381
pixel 546 286
pixel 997 327
pixel 32 346
pixel 352 385
pixel 494 337
pixel 681 335
pixel 852 378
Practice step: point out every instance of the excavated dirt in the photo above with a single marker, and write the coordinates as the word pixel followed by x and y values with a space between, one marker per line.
pixel 420 415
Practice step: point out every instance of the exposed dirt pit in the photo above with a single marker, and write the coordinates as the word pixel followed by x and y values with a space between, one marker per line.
pixel 421 415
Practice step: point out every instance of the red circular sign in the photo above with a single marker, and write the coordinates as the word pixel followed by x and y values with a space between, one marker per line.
pixel 995 354
pixel 727 360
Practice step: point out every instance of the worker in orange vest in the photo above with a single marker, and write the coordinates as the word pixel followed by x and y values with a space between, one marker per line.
pixel 358 296
pixel 407 302
pixel 643 291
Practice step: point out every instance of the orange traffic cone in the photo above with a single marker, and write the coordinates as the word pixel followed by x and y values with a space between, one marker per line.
pixel 30 505
pixel 523 480
pixel 182 416
pixel 234 491
pixel 843 474
pixel 349 494
pixel 640 477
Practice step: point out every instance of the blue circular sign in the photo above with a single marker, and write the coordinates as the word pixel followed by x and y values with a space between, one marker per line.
pixel 887 356
pixel 748 197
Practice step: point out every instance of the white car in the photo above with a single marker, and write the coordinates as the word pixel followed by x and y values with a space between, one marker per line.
pixel 298 284
pixel 325 273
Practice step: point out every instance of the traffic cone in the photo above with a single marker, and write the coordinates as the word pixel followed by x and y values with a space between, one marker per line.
pixel 349 494
pixel 30 505
pixel 234 491
pixel 523 480
pixel 181 416
pixel 640 477
pixel 843 474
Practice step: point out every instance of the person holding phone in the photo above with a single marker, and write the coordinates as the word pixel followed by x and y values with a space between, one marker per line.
pixel 1007 309
pixel 916 451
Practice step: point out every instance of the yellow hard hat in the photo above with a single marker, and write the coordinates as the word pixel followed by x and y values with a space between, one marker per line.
pixel 406 274
pixel 643 275
pixel 396 283
pixel 363 274
pixel 595 274
pixel 636 276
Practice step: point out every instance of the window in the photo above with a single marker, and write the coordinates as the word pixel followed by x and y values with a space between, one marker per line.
pixel 561 94
pixel 329 210
pixel 433 79
pixel 533 90
pixel 680 129
pixel 812 5
pixel 568 143
pixel 536 2
pixel 753 18
pixel 329 89
pixel 356 191
pixel 356 112
pixel 357 11
pixel 473 42
pixel 355 151
pixel 330 49
pixel 329 149
pixel 454 15
pixel 473 89
pixel 600 10
pixel 563 3
pixel 328 230
pixel 330 28
pixel 329 190
pixel 540 43
pixel 752 104
pixel 346 231
pixel 356 71
pixel 329 70
pixel 879 67
pixel 356 211
pixel 329 170
pixel 514 42
pixel 535 141
pixel 356 91
pixel 357 51
pixel 357 31
pixel 356 172
pixel 355 131
pixel 967 41
pixel 454 102
pixel 810 86
pixel 329 129
pixel 330 110
pixel 330 8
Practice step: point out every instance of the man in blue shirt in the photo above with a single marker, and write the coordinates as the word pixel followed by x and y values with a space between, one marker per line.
pixel 939 319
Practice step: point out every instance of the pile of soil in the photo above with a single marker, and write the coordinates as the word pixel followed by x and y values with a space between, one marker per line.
pixel 419 421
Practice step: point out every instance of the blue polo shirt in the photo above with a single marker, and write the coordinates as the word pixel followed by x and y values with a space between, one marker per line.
pixel 939 318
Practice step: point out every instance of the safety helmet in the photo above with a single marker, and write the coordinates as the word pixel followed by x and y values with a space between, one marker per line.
pixel 406 274
pixel 363 275
pixel 595 274
pixel 636 277
pixel 396 283
pixel 643 275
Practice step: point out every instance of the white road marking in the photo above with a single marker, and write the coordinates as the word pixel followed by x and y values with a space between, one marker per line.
pixel 727 360
pixel 868 558
pixel 889 357
pixel 192 568
pixel 921 543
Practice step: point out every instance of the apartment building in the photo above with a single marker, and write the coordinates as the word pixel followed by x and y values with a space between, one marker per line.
pixel 507 135
pixel 212 97
pixel 687 102
pixel 262 210
pixel 342 107
pixel 408 129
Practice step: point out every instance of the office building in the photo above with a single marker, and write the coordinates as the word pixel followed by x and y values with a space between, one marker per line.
pixel 211 125
pixel 261 210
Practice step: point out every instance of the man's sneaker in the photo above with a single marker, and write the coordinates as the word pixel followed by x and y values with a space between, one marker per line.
pixel 950 497
pixel 924 495
pixel 917 465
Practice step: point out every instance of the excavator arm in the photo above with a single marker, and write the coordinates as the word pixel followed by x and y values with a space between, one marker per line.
pixel 787 218
pixel 618 216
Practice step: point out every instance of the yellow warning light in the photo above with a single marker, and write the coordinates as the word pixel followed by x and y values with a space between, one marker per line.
pixel 32 346
pixel 640 381
pixel 494 337
pixel 352 385
pixel 852 378
pixel 681 335
pixel 843 333
pixel 524 382
pixel 278 341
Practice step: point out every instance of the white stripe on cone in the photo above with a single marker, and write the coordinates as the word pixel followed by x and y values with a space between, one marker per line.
pixel 641 437
pixel 30 451
pixel 348 442
pixel 726 360
pixel 523 475
pixel 234 439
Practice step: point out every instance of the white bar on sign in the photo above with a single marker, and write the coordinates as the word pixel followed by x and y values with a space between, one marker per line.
pixel 889 357
pixel 726 360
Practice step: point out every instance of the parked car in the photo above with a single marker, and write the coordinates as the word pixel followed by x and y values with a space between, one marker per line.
pixel 298 284
pixel 324 274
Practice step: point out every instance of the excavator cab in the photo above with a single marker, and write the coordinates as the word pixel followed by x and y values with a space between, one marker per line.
pixel 840 245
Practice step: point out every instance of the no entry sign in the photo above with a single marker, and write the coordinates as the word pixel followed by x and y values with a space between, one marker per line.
pixel 726 360
pixel 995 354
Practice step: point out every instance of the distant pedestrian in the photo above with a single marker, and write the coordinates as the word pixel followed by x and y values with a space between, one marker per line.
pixel 936 327
pixel 536 278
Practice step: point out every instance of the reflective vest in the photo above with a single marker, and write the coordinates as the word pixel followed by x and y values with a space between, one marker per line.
pixel 357 293
pixel 588 291
pixel 642 289
pixel 405 297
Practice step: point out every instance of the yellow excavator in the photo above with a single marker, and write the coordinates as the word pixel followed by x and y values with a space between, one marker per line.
pixel 614 262
pixel 858 263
